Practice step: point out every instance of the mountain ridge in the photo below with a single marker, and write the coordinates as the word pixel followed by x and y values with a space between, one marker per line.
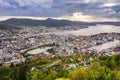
pixel 48 22
pixel 51 22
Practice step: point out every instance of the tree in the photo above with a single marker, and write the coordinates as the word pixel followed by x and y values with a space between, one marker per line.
pixel 62 72
pixel 111 63
pixel 22 72
pixel 97 72
pixel 52 75
pixel 11 65
pixel 118 75
pixel 38 75
pixel 4 73
pixel 94 66
pixel 78 74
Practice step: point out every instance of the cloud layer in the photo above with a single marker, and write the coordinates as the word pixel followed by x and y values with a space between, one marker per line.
pixel 60 8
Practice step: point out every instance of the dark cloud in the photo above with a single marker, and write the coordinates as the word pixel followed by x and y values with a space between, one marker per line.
pixel 57 8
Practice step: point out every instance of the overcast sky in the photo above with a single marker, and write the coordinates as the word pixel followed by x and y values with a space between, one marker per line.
pixel 78 10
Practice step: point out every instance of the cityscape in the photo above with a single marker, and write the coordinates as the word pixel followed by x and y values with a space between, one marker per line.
pixel 40 42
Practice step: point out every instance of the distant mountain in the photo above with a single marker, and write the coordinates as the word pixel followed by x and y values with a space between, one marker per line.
pixel 108 23
pixel 51 23
pixel 48 22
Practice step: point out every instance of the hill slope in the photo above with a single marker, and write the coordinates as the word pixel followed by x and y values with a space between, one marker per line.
pixel 50 23
pixel 8 27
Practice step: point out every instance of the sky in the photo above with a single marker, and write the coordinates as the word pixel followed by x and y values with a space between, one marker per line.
pixel 75 10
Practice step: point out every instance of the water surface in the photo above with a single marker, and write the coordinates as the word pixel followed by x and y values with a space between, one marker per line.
pixel 105 46
pixel 92 30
